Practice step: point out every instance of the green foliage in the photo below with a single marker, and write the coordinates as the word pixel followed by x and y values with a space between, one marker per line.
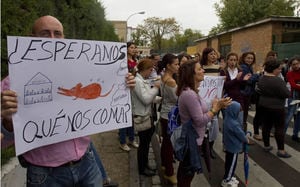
pixel 6 154
pixel 13 16
pixel 235 13
pixel 216 29
pixel 154 30
pixel 179 42
pixel 82 19
pixel 163 35
pixel 138 38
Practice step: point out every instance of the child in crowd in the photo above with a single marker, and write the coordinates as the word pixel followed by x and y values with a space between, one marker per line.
pixel 234 137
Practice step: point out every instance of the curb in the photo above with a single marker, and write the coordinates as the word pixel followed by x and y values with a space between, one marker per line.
pixel 9 166
pixel 12 174
pixel 134 180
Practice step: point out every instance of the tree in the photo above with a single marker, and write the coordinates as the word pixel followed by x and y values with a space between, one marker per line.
pixel 235 13
pixel 179 42
pixel 216 29
pixel 82 19
pixel 155 29
pixel 190 35
pixel 138 38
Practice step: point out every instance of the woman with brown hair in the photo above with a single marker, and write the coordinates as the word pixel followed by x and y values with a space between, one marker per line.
pixel 193 107
pixel 142 97
pixel 234 80
pixel 129 131
pixel 170 63
pixel 211 68
pixel 246 63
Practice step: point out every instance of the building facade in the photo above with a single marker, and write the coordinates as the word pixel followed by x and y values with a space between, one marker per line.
pixel 120 30
pixel 279 33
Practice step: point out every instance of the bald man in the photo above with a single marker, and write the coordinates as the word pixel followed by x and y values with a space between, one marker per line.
pixel 47 27
pixel 63 164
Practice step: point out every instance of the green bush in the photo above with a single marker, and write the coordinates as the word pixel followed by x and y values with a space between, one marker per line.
pixel 6 154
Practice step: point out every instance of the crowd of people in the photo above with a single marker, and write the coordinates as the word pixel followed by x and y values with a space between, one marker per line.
pixel 273 88
pixel 157 84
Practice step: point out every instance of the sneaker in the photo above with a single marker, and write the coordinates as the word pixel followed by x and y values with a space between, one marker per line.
pixel 283 155
pixel 257 137
pixel 172 179
pixel 294 102
pixel 109 183
pixel 134 144
pixel 148 173
pixel 235 180
pixel 230 183
pixel 125 147
pixel 268 148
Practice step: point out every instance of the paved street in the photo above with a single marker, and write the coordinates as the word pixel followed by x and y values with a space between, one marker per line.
pixel 266 169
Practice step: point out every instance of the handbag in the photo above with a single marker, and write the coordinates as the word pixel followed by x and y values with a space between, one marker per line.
pixel 142 123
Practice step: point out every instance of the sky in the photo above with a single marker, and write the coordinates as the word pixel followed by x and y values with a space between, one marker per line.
pixel 195 14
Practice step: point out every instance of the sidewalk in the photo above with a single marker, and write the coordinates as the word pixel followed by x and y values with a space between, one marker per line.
pixel 12 174
pixel 120 166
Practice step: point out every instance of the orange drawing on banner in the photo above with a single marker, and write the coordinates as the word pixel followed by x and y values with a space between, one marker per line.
pixel 91 91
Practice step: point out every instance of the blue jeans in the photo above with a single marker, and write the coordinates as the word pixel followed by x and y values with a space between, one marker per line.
pixel 124 132
pixel 290 113
pixel 84 174
pixel 98 161
pixel 296 125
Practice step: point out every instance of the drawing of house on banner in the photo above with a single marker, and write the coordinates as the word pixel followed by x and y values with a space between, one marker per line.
pixel 38 90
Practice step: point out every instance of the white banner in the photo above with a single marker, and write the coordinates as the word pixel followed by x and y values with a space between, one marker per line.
pixel 67 89
pixel 211 87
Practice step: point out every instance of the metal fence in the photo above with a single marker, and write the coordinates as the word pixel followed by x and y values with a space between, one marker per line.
pixel 287 50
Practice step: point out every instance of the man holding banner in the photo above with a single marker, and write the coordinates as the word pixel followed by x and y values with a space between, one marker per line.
pixel 66 163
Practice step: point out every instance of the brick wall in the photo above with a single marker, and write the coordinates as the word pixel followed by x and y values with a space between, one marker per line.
pixel 215 43
pixel 201 45
pixel 257 39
